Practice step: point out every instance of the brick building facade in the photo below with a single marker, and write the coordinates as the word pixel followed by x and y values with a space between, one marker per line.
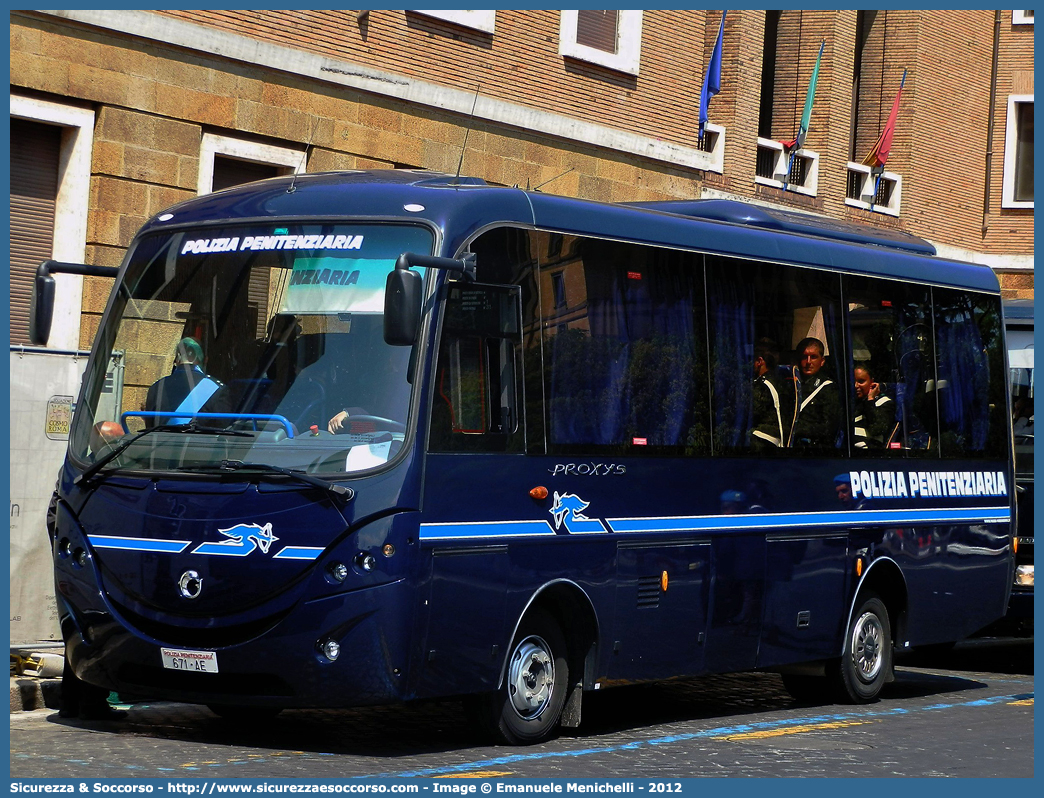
pixel 152 107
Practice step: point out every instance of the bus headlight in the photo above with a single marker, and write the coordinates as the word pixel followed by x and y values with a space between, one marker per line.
pixel 331 649
pixel 338 571
pixel 1024 576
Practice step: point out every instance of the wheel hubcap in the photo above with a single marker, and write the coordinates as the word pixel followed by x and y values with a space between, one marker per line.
pixel 867 635
pixel 531 677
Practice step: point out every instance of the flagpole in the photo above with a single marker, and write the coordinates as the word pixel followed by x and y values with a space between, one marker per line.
pixel 879 169
pixel 711 80
pixel 806 116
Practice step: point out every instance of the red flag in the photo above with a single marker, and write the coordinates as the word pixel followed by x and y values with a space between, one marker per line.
pixel 879 154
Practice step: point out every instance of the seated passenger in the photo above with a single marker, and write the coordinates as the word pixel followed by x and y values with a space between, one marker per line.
pixel 874 412
pixel 767 430
pixel 819 408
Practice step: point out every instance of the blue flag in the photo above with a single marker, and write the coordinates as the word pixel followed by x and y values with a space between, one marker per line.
pixel 712 80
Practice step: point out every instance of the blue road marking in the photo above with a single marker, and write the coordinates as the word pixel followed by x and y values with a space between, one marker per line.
pixel 720 731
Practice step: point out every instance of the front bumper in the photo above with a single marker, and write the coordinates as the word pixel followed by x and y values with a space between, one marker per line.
pixel 283 667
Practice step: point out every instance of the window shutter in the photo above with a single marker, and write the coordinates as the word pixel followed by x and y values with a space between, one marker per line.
pixel 597 29
pixel 35 150
pixel 230 172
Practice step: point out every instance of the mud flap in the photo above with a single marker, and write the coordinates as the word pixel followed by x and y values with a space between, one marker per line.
pixel 571 711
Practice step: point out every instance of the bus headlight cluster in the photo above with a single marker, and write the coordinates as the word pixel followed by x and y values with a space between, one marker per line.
pixel 1024 576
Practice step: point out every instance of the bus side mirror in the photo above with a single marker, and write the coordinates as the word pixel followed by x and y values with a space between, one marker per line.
pixel 41 306
pixel 402 307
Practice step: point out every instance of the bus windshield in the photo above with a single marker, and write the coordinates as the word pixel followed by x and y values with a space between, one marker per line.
pixel 265 342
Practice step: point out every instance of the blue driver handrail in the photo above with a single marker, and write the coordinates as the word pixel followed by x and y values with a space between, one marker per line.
pixel 255 417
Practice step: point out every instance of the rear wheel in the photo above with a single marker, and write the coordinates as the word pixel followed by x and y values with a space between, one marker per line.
pixel 527 708
pixel 867 659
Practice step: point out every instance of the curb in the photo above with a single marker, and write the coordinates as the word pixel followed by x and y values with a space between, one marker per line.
pixel 28 693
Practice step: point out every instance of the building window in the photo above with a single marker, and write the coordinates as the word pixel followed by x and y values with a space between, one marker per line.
pixel 713 143
pixel 225 162
pixel 1022 17
pixel 776 168
pixel 1018 153
pixel 256 161
pixel 63 213
pixel 609 38
pixel 872 192
pixel 476 20
pixel 768 73
pixel 558 286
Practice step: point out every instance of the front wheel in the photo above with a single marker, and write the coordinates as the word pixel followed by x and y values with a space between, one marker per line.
pixel 527 707
pixel 867 659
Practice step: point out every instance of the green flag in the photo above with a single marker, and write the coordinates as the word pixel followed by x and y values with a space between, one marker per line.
pixel 806 117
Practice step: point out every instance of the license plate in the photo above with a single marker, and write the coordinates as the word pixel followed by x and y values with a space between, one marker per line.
pixel 177 659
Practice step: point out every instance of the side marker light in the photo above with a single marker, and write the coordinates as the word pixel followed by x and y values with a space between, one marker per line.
pixel 663 581
pixel 539 493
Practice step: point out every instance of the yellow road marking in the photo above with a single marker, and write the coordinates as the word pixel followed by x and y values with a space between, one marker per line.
pixel 1025 702
pixel 761 735
pixel 477 774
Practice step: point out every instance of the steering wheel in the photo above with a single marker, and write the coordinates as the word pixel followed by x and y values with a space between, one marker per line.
pixel 386 424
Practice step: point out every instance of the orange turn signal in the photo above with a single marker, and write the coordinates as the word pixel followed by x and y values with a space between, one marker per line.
pixel 859 566
pixel 539 493
pixel 1015 545
pixel 663 581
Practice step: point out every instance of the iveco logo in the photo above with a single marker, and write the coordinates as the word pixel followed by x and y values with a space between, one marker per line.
pixel 190 585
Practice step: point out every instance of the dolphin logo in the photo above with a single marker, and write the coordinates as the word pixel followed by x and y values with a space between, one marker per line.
pixel 568 512
pixel 242 540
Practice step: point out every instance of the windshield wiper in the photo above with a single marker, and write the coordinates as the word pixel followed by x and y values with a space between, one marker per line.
pixel 228 466
pixel 126 441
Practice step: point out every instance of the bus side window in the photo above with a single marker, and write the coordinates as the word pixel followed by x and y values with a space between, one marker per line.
pixel 891 357
pixel 971 381
pixel 768 397
pixel 475 405
pixel 624 352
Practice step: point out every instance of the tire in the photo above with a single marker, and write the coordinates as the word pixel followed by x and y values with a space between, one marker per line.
pixel 808 689
pixel 527 707
pixel 866 662
pixel 244 714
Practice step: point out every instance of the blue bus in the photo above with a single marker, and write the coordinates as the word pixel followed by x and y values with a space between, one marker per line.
pixel 1018 315
pixel 387 436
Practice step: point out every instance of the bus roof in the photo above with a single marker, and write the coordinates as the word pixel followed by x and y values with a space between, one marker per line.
pixel 462 207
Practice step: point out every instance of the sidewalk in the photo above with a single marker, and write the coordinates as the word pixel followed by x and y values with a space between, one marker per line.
pixel 36 676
